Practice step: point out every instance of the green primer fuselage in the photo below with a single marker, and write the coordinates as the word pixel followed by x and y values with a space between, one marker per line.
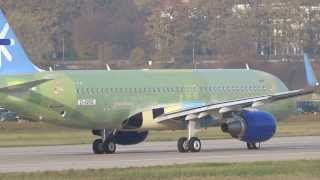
pixel 105 99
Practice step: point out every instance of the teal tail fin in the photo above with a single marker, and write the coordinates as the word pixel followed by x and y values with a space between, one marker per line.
pixel 13 58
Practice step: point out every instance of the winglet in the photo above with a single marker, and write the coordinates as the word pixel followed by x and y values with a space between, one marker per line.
pixel 311 78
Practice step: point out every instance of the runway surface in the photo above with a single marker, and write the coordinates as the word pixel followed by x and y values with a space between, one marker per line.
pixel 52 158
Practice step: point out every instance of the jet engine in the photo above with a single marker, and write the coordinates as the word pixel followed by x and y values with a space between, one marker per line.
pixel 130 137
pixel 251 126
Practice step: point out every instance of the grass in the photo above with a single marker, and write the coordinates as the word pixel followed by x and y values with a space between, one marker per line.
pixel 36 134
pixel 291 170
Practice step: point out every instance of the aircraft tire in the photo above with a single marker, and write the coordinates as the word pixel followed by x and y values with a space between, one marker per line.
pixel 252 146
pixel 109 147
pixel 195 144
pixel 97 147
pixel 183 145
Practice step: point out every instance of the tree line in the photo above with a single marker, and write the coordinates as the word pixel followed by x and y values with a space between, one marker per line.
pixel 176 31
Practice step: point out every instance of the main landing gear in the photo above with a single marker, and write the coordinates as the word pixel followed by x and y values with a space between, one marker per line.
pixel 253 146
pixel 192 143
pixel 105 145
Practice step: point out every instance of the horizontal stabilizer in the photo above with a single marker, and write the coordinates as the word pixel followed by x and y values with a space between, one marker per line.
pixel 23 86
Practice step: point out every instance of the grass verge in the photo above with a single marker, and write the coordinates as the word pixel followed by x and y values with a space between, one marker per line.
pixel 287 170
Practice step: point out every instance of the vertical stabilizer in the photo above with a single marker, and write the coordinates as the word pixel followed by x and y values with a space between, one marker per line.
pixel 13 58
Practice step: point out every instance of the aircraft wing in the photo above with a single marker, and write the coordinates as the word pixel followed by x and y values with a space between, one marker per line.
pixel 233 105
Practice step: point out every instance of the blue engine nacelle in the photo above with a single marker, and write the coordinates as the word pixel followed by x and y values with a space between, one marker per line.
pixel 130 137
pixel 251 126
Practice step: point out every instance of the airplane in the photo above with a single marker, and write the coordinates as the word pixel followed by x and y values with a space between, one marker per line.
pixel 122 106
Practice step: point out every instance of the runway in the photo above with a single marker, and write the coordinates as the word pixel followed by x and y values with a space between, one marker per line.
pixel 53 158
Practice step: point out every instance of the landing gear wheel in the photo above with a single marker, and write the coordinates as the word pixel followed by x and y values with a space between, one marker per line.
pixel 183 145
pixel 109 147
pixel 97 147
pixel 195 144
pixel 252 146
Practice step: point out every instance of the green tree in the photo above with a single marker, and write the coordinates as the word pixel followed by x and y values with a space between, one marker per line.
pixel 169 30
pixel 137 57
pixel 39 24
pixel 105 52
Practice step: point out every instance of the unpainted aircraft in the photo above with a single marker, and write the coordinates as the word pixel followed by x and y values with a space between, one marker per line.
pixel 122 106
